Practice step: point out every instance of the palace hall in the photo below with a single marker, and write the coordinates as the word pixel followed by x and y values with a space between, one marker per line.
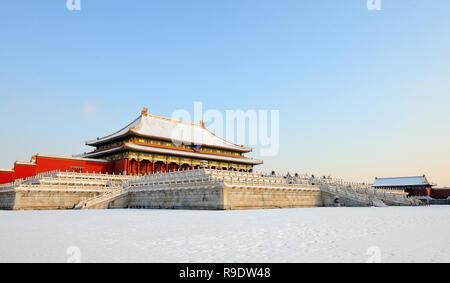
pixel 148 145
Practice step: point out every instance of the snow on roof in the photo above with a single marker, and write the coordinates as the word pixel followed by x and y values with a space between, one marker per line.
pixel 119 133
pixel 76 158
pixel 401 181
pixel 158 127
pixel 97 153
pixel 25 163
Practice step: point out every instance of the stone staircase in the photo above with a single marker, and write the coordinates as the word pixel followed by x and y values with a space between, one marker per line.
pixel 58 190
pixel 358 194
pixel 368 196
pixel 103 200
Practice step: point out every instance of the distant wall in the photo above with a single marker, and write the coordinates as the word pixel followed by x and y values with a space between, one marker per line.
pixel 443 193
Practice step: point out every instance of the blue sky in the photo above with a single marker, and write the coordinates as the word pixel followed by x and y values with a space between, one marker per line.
pixel 360 93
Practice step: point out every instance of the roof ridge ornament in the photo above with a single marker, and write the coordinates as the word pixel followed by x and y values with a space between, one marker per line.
pixel 144 111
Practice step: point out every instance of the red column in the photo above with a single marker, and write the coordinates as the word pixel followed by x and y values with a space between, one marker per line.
pixel 167 166
pixel 192 167
pixel 138 166
pixel 147 165
pixel 153 166
pixel 126 166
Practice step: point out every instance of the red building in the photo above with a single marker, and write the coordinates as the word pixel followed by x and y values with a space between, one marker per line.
pixel 414 186
pixel 148 145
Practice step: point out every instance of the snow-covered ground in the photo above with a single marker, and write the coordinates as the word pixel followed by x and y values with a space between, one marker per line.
pixel 392 234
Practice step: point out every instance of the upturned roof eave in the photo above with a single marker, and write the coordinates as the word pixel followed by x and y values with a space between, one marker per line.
pixel 106 140
pixel 132 146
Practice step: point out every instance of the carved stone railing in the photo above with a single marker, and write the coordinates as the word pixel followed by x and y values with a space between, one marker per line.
pixel 57 178
pixel 202 176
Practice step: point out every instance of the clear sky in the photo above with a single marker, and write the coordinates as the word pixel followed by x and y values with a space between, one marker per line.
pixel 360 93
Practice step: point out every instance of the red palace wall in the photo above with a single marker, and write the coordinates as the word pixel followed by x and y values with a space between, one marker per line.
pixel 440 193
pixel 418 192
pixel 6 177
pixel 45 164
pixel 20 172
pixel 434 193
pixel 24 171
